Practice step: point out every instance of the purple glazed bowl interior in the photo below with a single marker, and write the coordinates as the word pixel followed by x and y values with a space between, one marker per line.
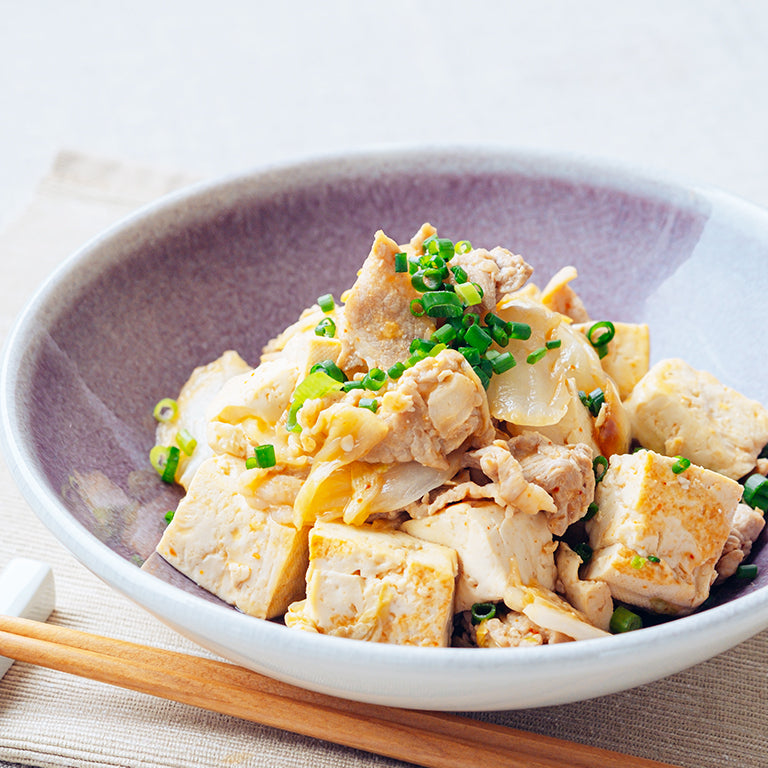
pixel 228 265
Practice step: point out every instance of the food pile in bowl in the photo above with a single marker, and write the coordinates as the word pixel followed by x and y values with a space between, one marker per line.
pixel 452 455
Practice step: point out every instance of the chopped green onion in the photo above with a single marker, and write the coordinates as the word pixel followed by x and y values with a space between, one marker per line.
pixel 431 246
pixel 746 571
pixel 374 379
pixel 482 612
pixel 553 343
pixel 186 441
pixel 396 371
pixel 756 492
pixel 468 292
pixel 605 331
pixel 317 384
pixel 166 409
pixel 441 304
pixel 326 302
pixel 446 248
pixel 637 562
pixel 653 559
pixel 347 386
pixel 445 334
pixel 463 246
pixel 483 375
pixel 499 335
pixel 460 274
pixel 624 620
pixel 425 280
pixel 326 327
pixel 263 457
pixel 596 399
pixel 471 354
pixel 592 510
pixel 437 349
pixel 602 350
pixel 584 551
pixel 417 308
pixel 478 338
pixel 169 515
pixel 421 345
pixel 165 459
pixel 329 367
pixel 469 319
pixel 503 362
pixel 599 467
pixel 680 464
pixel 536 355
pixel 369 402
pixel 520 331
pixel 401 262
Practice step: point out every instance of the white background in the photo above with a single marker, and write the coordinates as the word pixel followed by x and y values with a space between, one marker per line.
pixel 672 87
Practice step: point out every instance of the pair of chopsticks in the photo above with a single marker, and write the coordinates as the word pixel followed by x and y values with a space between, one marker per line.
pixel 429 739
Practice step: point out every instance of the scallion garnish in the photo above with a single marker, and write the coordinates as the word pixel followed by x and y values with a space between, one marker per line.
pixel 169 515
pixel 396 371
pixel 599 467
pixel 756 492
pixel 482 612
pixel 592 510
pixel 166 410
pixel 165 459
pixel 503 362
pixel 374 379
pixel 264 456
pixel 463 246
pixel 326 302
pixel 746 571
pixel 417 308
pixel 637 562
pixel 401 262
pixel 599 334
pixel 186 441
pixel 468 293
pixel 478 338
pixel 460 274
pixel 520 331
pixel 371 403
pixel 326 327
pixel 624 620
pixel 445 334
pixel 680 464
pixel 329 367
pixel 553 343
pixel 471 354
pixel 441 304
pixel 583 550
pixel 317 384
pixel 653 559
pixel 536 355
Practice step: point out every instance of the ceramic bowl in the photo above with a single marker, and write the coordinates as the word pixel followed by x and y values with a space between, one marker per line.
pixel 227 264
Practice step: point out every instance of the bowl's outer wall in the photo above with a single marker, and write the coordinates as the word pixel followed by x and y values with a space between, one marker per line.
pixel 229 266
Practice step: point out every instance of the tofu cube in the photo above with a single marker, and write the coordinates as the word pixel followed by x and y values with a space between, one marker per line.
pixel 486 537
pixel 238 553
pixel 680 411
pixel 646 510
pixel 377 584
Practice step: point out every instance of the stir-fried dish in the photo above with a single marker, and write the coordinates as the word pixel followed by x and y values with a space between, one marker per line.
pixel 451 455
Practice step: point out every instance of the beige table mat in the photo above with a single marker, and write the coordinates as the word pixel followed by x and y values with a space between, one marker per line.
pixel 715 714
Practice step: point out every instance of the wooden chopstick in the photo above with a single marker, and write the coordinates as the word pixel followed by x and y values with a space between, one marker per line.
pixel 429 739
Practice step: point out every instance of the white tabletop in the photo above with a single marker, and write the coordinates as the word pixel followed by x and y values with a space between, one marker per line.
pixel 671 86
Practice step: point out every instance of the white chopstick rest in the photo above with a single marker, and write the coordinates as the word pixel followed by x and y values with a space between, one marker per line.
pixel 26 591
